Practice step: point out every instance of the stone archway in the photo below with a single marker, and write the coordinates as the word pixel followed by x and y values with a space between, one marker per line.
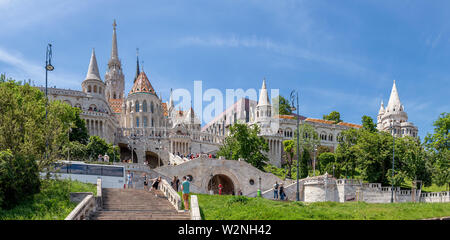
pixel 227 183
pixel 153 160
pixel 125 153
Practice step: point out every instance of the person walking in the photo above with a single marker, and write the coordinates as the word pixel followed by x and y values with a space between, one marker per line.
pixel 185 189
pixel 145 181
pixel 275 191
pixel 173 183
pixel 177 183
pixel 129 179
pixel 282 194
pixel 220 189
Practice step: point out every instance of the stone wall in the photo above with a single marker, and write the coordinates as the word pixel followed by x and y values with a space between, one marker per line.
pixel 240 172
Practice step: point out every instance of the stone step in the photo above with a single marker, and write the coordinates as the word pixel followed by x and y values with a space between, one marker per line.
pixel 137 204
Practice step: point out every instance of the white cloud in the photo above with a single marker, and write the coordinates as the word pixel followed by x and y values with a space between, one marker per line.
pixel 279 48
pixel 18 68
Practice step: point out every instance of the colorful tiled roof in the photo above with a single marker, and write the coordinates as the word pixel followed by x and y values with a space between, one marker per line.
pixel 331 122
pixel 293 116
pixel 349 125
pixel 164 106
pixel 116 105
pixel 319 120
pixel 142 85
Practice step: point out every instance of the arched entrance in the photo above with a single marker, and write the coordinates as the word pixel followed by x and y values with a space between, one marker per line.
pixel 227 184
pixel 152 159
pixel 125 153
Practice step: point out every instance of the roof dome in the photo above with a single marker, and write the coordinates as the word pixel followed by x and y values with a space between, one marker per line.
pixel 142 85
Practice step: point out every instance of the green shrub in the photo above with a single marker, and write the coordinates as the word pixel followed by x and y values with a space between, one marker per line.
pixel 237 199
pixel 19 178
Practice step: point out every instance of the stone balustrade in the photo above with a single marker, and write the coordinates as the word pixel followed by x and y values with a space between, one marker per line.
pixel 88 205
pixel 83 209
pixel 170 193
pixel 195 209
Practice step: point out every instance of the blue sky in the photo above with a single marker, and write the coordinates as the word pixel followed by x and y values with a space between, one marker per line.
pixel 340 55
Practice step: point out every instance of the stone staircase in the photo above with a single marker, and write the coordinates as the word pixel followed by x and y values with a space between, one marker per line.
pixel 136 204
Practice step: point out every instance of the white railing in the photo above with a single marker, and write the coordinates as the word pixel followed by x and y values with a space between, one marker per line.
pixel 170 193
pixel 83 209
pixel 195 209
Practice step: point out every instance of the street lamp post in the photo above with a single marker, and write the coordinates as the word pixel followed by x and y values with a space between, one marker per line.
pixel 298 137
pixel 314 163
pixel 393 157
pixel 48 67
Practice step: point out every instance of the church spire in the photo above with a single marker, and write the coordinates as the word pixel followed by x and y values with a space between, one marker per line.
pixel 137 65
pixel 93 68
pixel 170 100
pixel 114 52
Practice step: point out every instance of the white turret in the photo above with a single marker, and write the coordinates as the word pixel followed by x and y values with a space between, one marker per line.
pixel 93 73
pixel 393 118
pixel 93 84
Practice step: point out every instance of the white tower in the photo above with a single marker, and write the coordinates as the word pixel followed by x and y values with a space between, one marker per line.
pixel 393 118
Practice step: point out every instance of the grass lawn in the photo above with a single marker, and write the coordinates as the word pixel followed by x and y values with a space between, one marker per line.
pixel 242 208
pixel 52 203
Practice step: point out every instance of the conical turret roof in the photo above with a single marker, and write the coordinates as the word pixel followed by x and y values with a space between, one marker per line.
pixel 93 68
pixel 263 96
pixel 394 103
pixel 381 111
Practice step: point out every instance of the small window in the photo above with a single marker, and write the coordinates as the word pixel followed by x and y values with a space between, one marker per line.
pixel 252 182
pixel 190 178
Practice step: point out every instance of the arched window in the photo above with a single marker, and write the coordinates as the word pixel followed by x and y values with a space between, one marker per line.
pixel 137 121
pixel 137 106
pixel 95 88
pixel 114 95
pixel 144 106
pixel 89 88
pixel 130 108
pixel 145 121
pixel 100 90
pixel 151 107
pixel 330 138
pixel 153 123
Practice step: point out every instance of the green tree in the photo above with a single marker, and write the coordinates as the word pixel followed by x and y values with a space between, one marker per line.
pixel 244 142
pixel 288 147
pixel 308 138
pixel 283 107
pixel 78 131
pixel 25 129
pixel 438 144
pixel 368 124
pixel 19 178
pixel 346 152
pixel 333 116
pixel 326 161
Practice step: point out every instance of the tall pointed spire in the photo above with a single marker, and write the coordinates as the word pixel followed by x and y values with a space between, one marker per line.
pixel 381 111
pixel 394 103
pixel 170 100
pixel 137 65
pixel 263 96
pixel 93 68
pixel 114 52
